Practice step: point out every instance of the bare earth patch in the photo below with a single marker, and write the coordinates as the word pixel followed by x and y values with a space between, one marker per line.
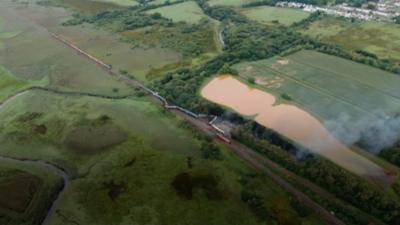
pixel 282 61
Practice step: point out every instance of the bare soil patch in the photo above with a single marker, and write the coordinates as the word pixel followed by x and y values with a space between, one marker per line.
pixel 282 61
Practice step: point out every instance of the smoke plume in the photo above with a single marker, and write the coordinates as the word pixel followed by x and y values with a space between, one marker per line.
pixel 373 133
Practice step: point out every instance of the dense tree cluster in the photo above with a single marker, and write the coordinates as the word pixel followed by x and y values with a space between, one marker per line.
pixel 396 19
pixel 191 40
pixel 120 20
pixel 392 154
pixel 343 184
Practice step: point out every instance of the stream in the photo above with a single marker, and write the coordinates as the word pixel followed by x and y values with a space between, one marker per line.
pixel 48 166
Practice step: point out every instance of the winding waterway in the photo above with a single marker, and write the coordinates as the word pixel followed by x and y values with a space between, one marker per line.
pixel 41 163
pixel 288 120
pixel 48 166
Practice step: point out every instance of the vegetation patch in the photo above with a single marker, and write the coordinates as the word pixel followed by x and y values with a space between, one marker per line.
pixel 93 139
pixel 26 192
pixel 189 40
pixel 9 84
pixel 185 185
pixel 274 15
pixel 114 190
pixel 88 7
pixel 18 190
pixel 187 11
pixel 230 2
pixel 355 35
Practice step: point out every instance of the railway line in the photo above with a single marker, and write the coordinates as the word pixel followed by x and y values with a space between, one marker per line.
pixel 202 122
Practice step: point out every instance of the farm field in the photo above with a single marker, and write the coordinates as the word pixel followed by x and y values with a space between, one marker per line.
pixel 327 86
pixel 267 15
pixel 229 2
pixel 120 2
pixel 183 12
pixel 382 39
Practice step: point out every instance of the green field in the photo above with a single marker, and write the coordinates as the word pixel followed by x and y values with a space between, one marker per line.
pixel 382 39
pixel 130 161
pixel 229 2
pixel 268 15
pixel 188 12
pixel 159 2
pixel 87 7
pixel 129 179
pixel 120 2
pixel 68 70
pixel 327 85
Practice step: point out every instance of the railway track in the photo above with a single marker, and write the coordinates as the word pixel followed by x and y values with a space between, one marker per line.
pixel 251 157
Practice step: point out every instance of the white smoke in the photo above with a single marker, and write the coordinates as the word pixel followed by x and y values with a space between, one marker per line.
pixel 375 133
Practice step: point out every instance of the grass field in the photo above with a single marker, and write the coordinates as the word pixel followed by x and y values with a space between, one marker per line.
pixel 229 2
pixel 130 180
pixel 89 7
pixel 159 2
pixel 120 2
pixel 382 39
pixel 130 161
pixel 267 15
pixel 188 12
pixel 107 47
pixel 9 84
pixel 70 70
pixel 326 85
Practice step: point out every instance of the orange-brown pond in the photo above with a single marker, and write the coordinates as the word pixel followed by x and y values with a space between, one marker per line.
pixel 288 120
